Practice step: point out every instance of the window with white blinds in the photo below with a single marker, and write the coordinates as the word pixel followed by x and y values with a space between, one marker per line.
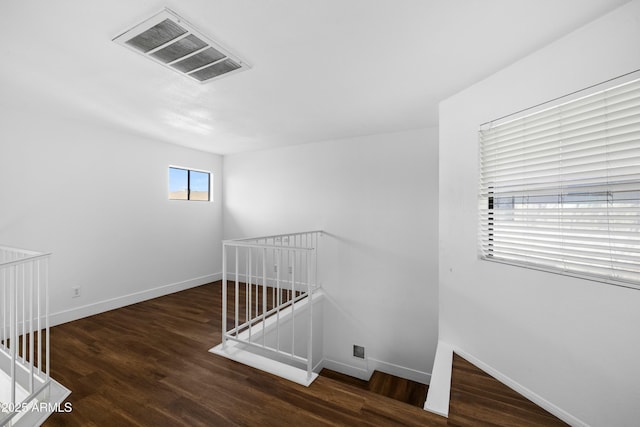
pixel 560 188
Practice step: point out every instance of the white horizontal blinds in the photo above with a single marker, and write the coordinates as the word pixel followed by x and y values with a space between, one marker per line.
pixel 560 189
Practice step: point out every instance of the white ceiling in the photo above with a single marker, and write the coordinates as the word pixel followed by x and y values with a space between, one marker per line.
pixel 322 69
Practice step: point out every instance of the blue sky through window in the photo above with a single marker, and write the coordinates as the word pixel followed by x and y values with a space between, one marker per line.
pixel 178 179
pixel 199 181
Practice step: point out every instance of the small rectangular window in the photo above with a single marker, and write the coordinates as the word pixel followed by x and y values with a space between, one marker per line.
pixel 187 184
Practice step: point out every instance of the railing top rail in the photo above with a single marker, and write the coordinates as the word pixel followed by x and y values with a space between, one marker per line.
pixel 19 250
pixel 245 239
pixel 234 243
pixel 26 256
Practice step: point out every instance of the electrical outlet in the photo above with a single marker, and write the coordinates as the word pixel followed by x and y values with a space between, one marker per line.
pixel 76 292
pixel 358 351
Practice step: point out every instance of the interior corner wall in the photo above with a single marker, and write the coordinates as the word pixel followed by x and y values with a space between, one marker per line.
pixel 375 197
pixel 572 343
pixel 95 195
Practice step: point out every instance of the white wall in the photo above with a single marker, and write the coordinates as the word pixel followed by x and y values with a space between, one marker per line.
pixel 571 342
pixel 376 198
pixel 96 196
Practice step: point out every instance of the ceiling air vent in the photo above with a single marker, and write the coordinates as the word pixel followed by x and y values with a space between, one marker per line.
pixel 169 40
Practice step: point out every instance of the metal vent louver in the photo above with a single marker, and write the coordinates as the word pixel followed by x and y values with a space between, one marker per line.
pixel 169 40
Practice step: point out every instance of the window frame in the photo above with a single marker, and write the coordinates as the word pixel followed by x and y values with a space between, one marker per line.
pixel 189 170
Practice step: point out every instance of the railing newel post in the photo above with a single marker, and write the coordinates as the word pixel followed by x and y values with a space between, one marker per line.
pixel 224 295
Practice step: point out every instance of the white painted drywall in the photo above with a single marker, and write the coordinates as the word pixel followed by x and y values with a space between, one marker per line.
pixel 574 343
pixel 95 195
pixel 376 198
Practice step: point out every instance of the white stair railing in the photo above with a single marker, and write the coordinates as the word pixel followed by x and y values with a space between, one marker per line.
pixel 267 295
pixel 24 331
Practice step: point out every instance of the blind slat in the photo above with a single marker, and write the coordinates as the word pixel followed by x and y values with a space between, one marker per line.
pixel 550 184
pixel 595 131
pixel 575 107
pixel 616 144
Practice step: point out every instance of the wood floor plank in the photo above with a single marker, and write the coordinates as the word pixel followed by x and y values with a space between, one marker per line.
pixel 397 388
pixel 347 379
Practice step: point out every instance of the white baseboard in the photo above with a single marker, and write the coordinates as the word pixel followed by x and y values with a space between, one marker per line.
pixel 65 316
pixel 318 366
pixel 535 398
pixel 343 368
pixel 376 365
pixel 398 371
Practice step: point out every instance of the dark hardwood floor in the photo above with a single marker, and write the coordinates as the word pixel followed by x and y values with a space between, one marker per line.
pixel 148 365
pixel 400 389
pixel 479 399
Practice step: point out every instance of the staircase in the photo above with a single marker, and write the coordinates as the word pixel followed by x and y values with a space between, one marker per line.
pixel 269 289
pixel 400 389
